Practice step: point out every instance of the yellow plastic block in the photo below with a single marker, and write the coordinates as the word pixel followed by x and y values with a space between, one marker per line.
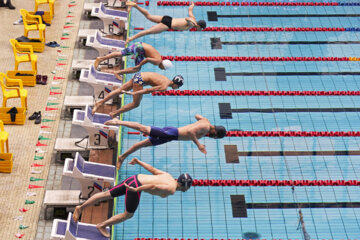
pixel 6 162
pixel 6 118
pixel 26 80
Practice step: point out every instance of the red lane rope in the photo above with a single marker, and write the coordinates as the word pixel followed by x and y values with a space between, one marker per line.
pixel 286 134
pixel 291 134
pixel 255 59
pixel 224 183
pixel 262 29
pixel 253 93
pixel 202 3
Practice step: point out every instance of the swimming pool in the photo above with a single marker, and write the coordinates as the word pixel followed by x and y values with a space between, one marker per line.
pixel 205 212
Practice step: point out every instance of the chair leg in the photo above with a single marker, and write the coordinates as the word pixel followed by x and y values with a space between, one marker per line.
pixel 2 146
pixel 7 145
pixel 4 102
pixel 34 65
pixel 26 33
pixel 16 66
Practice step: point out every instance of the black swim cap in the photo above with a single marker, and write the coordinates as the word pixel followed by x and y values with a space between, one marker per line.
pixel 202 24
pixel 220 131
pixel 185 180
pixel 178 80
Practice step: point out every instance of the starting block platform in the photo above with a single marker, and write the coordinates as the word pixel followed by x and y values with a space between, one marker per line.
pixel 61 198
pixel 70 230
pixel 77 102
pixel 103 83
pixel 94 124
pixel 104 45
pixel 67 147
pixel 110 3
pixel 91 175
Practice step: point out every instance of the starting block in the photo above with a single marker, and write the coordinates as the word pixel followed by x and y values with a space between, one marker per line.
pixel 67 147
pixel 111 18
pixel 70 230
pixel 102 83
pixel 104 45
pixel 78 65
pixel 91 175
pixel 77 102
pixel 94 124
pixel 110 3
pixel 6 162
pixel 61 198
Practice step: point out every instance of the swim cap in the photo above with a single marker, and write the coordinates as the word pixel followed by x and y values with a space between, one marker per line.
pixel 178 80
pixel 185 180
pixel 220 131
pixel 202 24
pixel 167 64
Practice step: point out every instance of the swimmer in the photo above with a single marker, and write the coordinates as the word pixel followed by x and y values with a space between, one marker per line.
pixel 142 52
pixel 137 83
pixel 160 184
pixel 157 136
pixel 164 23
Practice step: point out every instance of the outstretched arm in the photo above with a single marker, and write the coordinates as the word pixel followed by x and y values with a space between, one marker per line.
pixel 191 14
pixel 164 189
pixel 147 166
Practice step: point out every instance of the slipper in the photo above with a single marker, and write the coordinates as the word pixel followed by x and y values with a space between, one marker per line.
pixel 52 44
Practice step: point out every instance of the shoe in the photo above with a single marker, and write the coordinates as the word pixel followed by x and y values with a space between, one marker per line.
pixel 38 79
pixel 44 79
pixel 9 5
pixel 52 44
pixel 18 22
pixel 38 118
pixel 34 115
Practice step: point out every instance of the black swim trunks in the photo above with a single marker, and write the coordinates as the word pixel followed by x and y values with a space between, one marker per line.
pixel 132 199
pixel 167 21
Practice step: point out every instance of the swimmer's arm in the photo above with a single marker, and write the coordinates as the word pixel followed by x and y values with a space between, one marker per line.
pixel 191 14
pixel 148 90
pixel 163 188
pixel 199 117
pixel 192 133
pixel 148 167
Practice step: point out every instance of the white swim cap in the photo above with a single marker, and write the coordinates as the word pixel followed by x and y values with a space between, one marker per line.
pixel 167 64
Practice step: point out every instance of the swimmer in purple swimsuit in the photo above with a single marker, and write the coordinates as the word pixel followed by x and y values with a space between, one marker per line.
pixel 157 136
pixel 157 82
pixel 164 23
pixel 160 184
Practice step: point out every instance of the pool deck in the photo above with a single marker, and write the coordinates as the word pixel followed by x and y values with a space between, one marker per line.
pixel 23 139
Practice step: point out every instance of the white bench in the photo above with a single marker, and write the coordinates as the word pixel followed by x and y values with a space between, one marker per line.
pixel 94 124
pixel 91 175
pixel 70 230
pixel 61 198
pixel 110 17
pixel 103 83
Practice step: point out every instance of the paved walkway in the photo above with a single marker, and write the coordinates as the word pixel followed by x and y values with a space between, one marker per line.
pixel 23 139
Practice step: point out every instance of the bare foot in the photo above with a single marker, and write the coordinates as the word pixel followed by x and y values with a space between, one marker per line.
pixel 113 114
pixel 131 4
pixel 96 106
pixel 97 62
pixel 121 159
pixel 77 213
pixel 114 121
pixel 103 230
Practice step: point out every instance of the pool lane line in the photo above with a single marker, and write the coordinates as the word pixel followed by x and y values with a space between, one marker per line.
pixel 232 154
pixel 226 112
pixel 216 43
pixel 268 29
pixel 271 183
pixel 240 133
pixel 256 4
pixel 258 59
pixel 214 17
pixel 253 93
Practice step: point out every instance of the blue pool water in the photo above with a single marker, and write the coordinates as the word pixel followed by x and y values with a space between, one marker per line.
pixel 206 212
